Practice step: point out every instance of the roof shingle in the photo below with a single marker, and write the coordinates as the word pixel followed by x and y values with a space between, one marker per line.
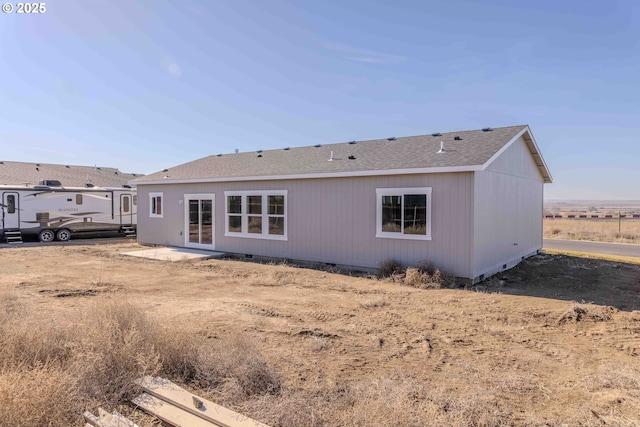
pixel 20 173
pixel 463 149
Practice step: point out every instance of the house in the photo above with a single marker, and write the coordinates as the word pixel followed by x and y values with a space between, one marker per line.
pixel 24 173
pixel 470 202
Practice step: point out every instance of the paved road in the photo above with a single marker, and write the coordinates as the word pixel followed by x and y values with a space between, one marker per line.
pixel 620 249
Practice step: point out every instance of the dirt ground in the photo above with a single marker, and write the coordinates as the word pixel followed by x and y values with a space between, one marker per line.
pixel 556 338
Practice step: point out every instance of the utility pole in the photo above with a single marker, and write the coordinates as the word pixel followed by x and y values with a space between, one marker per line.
pixel 619 221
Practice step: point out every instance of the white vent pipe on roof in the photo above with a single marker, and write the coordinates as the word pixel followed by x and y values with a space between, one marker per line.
pixel 331 159
pixel 442 150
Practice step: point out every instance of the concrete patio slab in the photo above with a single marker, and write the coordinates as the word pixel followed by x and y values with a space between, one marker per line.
pixel 173 254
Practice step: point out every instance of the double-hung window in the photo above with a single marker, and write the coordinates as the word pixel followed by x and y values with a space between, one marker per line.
pixel 403 213
pixel 155 205
pixel 256 214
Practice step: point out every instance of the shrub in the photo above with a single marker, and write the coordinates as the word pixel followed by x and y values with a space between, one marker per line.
pixel 426 267
pixel 426 275
pixel 390 267
pixel 423 280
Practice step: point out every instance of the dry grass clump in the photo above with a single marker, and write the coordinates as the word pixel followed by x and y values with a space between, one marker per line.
pixel 385 402
pixel 425 275
pixel 236 365
pixel 91 359
pixel 374 303
pixel 418 279
pixel 70 364
pixel 619 377
pixel 275 278
pixel 42 395
pixel 390 267
pixel 591 312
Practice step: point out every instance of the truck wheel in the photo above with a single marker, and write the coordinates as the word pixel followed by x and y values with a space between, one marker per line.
pixel 63 235
pixel 46 236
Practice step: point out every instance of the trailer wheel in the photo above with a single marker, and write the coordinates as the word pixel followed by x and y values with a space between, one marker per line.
pixel 46 236
pixel 63 235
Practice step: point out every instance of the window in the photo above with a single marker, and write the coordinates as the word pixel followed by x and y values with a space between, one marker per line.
pixel 256 214
pixel 11 204
pixel 155 207
pixel 404 213
pixel 234 206
pixel 125 204
pixel 135 200
pixel 78 199
pixel 275 213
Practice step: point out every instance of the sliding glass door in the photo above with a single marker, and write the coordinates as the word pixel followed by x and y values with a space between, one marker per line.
pixel 199 218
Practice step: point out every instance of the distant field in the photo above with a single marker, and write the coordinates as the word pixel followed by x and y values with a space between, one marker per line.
pixel 592 207
pixel 599 230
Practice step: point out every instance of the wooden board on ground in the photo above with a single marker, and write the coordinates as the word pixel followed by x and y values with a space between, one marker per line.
pixel 105 419
pixel 170 413
pixel 92 420
pixel 219 415
pixel 115 419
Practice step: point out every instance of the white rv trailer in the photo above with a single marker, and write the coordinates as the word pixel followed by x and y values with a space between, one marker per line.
pixel 53 212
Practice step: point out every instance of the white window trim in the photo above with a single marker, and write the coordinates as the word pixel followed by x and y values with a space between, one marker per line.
pixel 401 192
pixel 265 214
pixel 151 197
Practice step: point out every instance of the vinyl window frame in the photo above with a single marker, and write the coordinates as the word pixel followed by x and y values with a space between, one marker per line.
pixel 402 192
pixel 156 199
pixel 265 215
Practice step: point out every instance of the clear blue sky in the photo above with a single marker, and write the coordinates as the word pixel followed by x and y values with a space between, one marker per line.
pixel 146 84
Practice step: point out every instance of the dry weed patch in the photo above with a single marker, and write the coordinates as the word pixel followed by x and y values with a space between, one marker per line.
pixel 422 279
pixel 425 275
pixel 598 230
pixel 388 402
pixel 305 348
pixel 92 358
pixel 41 395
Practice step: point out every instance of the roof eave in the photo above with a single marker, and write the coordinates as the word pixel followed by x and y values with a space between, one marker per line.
pixel 412 171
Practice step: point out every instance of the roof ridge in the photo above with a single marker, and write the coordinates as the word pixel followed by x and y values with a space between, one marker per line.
pixel 289 148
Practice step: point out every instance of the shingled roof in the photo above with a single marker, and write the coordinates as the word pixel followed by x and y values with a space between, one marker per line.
pixel 21 173
pixel 465 151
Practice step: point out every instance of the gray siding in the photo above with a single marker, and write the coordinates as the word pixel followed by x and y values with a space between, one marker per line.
pixel 508 211
pixel 332 220
pixel 516 160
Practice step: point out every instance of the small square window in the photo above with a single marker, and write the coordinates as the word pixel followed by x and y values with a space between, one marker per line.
pixel 155 205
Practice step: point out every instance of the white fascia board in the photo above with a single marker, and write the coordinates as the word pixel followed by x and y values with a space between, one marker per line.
pixel 536 150
pixel 471 168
